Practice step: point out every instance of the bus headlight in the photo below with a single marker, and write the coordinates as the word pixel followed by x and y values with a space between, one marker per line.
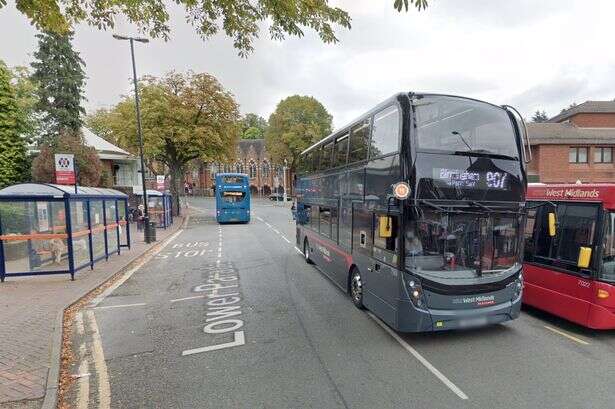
pixel 415 291
pixel 518 283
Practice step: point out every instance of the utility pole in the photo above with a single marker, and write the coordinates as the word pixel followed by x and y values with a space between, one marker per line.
pixel 148 236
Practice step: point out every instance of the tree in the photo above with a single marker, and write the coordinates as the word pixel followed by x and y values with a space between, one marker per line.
pixel 540 116
pixel 89 166
pixel 59 76
pixel 297 123
pixel 13 125
pixel 253 126
pixel 184 117
pixel 239 19
pixel 98 122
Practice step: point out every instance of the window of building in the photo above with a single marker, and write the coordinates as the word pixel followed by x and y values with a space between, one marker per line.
pixel 385 132
pixel 359 140
pixel 577 154
pixel 341 150
pixel 252 169
pixel 266 169
pixel 603 155
pixel 239 167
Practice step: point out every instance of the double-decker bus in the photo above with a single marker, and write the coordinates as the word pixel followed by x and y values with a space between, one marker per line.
pixel 416 209
pixel 232 198
pixel 570 252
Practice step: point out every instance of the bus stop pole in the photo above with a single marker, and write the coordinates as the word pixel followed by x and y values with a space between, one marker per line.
pixel 69 239
pixel 2 266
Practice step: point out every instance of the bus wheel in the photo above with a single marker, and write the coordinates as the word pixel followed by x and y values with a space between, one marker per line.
pixel 356 288
pixel 306 251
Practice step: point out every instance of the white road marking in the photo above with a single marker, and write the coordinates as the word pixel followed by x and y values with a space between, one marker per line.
pixel 284 237
pixel 104 390
pixel 240 339
pixel 105 307
pixel 564 334
pixel 299 251
pixel 275 230
pixel 188 298
pixel 130 272
pixel 420 358
pixel 83 396
pixel 259 218
pixel 79 323
pixel 268 225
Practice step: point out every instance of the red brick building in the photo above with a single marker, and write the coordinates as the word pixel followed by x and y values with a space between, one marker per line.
pixel 251 158
pixel 576 145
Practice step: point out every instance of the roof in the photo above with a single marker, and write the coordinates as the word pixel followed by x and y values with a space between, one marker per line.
pixel 102 146
pixel 587 107
pixel 48 190
pixel 547 133
pixel 257 144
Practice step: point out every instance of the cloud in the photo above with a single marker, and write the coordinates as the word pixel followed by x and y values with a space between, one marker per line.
pixel 535 55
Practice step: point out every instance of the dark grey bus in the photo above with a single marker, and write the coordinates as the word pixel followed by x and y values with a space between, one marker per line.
pixel 416 210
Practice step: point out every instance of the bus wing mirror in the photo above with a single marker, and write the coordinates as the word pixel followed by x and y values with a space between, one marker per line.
pixel 552 225
pixel 585 255
pixel 385 226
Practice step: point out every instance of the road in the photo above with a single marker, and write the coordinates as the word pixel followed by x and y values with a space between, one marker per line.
pixel 232 317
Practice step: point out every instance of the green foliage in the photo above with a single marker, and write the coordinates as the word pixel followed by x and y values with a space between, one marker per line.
pixel 540 116
pixel 59 77
pixel 238 19
pixel 297 123
pixel 98 122
pixel 13 126
pixel 90 168
pixel 252 126
pixel 184 117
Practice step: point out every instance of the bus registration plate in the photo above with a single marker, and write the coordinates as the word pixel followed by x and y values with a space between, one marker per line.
pixel 473 322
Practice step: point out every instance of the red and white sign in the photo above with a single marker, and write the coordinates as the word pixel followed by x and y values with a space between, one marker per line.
pixel 160 182
pixel 65 168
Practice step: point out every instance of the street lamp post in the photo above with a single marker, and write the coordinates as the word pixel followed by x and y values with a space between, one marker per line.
pixel 147 234
pixel 284 176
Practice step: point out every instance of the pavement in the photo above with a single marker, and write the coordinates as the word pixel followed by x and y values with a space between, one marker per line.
pixel 30 309
pixel 231 316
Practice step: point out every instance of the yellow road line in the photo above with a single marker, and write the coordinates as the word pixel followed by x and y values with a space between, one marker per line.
pixel 564 334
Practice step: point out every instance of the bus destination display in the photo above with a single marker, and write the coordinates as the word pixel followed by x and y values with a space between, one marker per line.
pixel 473 180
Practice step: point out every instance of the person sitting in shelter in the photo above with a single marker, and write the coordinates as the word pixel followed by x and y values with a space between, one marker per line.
pixel 57 248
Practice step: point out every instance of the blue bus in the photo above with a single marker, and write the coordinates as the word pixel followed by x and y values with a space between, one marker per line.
pixel 417 208
pixel 232 198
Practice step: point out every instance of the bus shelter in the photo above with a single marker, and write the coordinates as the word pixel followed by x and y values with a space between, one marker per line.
pixel 53 229
pixel 160 207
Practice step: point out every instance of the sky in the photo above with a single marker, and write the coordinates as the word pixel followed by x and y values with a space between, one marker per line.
pixel 531 54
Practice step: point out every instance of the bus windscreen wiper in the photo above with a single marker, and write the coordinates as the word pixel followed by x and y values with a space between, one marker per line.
pixel 484 153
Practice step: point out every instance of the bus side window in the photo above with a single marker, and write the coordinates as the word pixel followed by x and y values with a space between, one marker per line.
pixel 385 132
pixel 385 248
pixel 529 235
pixel 334 224
pixel 314 217
pixel 325 222
pixel 341 151
pixel 325 160
pixel 359 139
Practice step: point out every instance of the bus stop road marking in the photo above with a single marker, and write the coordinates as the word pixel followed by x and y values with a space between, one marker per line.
pixel 106 307
pixel 564 334
pixel 421 359
pixel 299 251
pixel 284 237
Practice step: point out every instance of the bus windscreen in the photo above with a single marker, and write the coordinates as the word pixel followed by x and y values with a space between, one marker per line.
pixel 233 179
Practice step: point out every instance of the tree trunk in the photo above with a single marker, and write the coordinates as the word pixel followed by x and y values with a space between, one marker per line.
pixel 176 173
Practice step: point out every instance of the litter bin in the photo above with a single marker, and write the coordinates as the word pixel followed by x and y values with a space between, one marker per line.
pixel 150 232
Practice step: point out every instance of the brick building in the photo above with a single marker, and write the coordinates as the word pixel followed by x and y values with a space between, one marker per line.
pixel 251 158
pixel 576 145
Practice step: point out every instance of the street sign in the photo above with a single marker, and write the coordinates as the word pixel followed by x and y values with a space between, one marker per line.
pixel 160 182
pixel 65 168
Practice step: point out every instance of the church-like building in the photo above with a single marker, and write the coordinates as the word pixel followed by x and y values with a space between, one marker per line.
pixel 252 158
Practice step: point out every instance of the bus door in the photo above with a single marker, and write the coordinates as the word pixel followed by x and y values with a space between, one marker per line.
pixel 556 282
pixel 382 273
